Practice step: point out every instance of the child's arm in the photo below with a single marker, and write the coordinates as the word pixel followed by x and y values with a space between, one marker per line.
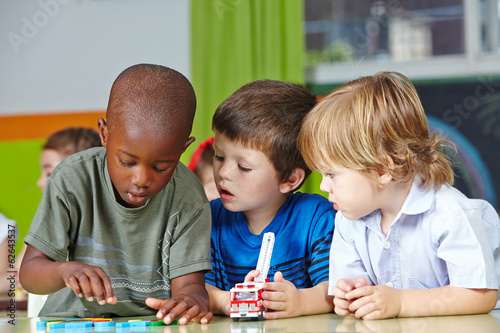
pixel 84 280
pixel 287 301
pixel 189 301
pixel 220 300
pixel 377 302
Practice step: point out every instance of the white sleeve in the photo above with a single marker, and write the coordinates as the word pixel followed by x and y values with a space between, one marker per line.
pixel 464 242
pixel 5 224
pixel 345 261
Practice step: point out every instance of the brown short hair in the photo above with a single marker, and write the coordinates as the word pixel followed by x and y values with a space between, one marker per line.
pixel 267 115
pixel 72 140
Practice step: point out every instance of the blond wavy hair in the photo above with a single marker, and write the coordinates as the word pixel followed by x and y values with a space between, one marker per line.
pixel 360 124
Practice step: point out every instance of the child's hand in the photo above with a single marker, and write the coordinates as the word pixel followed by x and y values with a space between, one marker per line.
pixel 283 297
pixel 174 307
pixel 374 302
pixel 252 275
pixel 189 301
pixel 89 281
pixel 340 301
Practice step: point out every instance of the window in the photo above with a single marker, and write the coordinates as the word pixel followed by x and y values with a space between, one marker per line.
pixel 424 39
pixel 490 34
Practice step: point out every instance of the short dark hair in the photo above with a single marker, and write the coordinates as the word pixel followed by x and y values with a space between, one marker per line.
pixel 156 96
pixel 72 140
pixel 267 115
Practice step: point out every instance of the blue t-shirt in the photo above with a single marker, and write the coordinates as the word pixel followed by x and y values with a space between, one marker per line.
pixel 303 230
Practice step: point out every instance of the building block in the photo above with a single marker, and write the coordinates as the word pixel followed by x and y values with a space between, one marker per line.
pixel 123 325
pixel 104 323
pixel 79 324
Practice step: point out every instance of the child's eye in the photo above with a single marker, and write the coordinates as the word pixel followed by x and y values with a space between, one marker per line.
pixel 125 163
pixel 329 175
pixel 244 169
pixel 219 158
pixel 159 170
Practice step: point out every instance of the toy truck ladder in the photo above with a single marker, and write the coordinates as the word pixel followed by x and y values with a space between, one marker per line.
pixel 266 250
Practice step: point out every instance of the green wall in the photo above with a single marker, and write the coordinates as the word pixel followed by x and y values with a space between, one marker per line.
pixel 19 171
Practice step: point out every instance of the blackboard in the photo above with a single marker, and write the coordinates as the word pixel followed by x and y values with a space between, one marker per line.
pixel 468 113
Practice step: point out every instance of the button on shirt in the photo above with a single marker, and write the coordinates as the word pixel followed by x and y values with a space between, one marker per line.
pixel 439 238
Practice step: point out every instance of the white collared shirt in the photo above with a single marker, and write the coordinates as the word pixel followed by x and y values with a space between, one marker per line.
pixel 439 238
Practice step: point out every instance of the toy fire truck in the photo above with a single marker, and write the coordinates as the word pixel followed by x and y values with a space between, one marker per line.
pixel 246 297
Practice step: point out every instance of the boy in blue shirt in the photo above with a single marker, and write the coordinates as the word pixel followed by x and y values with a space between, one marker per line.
pixel 257 168
pixel 125 226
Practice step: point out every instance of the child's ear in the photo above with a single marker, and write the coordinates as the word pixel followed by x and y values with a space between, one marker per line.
pixel 385 178
pixel 189 141
pixel 293 181
pixel 103 131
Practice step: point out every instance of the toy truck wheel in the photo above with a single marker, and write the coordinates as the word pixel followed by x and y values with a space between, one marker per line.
pixel 235 319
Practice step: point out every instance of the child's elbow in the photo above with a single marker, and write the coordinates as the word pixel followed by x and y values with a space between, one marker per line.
pixel 490 300
pixel 493 300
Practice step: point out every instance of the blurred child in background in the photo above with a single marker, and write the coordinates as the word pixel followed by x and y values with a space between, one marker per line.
pixel 58 146
pixel 62 144
pixel 201 163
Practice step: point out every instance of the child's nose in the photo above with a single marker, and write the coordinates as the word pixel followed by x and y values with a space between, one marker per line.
pixel 225 171
pixel 141 177
pixel 323 186
pixel 41 182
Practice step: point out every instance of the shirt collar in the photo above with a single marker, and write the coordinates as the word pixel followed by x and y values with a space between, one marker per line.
pixel 418 200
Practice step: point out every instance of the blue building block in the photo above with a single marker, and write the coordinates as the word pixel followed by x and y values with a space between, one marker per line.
pixel 104 323
pixel 139 323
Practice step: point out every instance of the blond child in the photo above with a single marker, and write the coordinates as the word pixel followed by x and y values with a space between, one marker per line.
pixel 406 243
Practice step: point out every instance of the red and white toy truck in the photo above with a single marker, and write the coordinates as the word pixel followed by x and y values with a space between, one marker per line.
pixel 246 301
pixel 246 297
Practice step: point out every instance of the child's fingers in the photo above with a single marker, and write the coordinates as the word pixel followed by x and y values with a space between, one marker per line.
pixel 341 303
pixel 206 318
pixel 165 309
pixel 276 315
pixel 361 282
pixel 154 303
pixel 107 294
pixel 92 282
pixel 359 292
pixel 274 305
pixel 341 306
pixel 100 284
pixel 276 296
pixel 278 277
pixel 345 284
pixel 73 284
pixel 192 313
pixel 251 275
pixel 337 292
pixel 341 311
pixel 362 308
pixel 85 286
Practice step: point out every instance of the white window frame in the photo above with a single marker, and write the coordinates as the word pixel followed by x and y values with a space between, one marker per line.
pixel 472 63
